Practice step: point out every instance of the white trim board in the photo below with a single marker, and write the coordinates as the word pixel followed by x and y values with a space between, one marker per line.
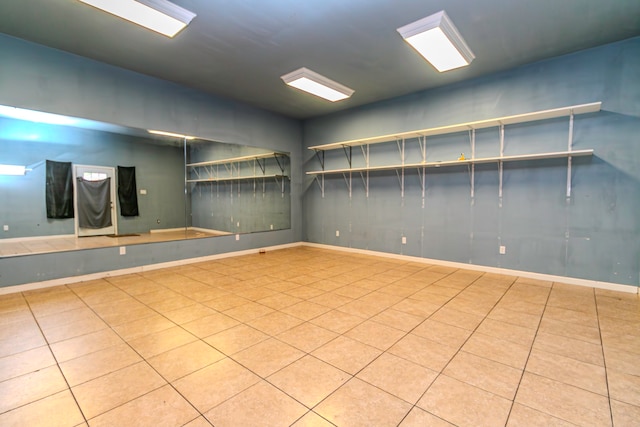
pixel 150 267
pixel 27 239
pixel 527 274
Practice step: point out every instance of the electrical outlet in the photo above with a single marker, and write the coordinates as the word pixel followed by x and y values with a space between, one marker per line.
pixel 143 191
pixel 337 233
pixel 404 240
pixel 123 250
pixel 237 237
pixel 271 226
pixel 503 250
pixel 5 227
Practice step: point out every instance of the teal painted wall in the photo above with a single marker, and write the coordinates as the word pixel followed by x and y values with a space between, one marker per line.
pixel 159 170
pixel 595 235
pixel 44 79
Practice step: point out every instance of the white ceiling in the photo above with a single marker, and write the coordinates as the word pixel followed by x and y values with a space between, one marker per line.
pixel 238 49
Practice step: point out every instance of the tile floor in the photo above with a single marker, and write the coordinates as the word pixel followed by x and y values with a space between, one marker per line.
pixel 47 244
pixel 312 337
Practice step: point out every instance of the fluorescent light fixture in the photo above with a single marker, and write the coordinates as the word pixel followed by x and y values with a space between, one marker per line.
pixel 438 40
pixel 160 16
pixel 175 135
pixel 36 116
pixel 312 82
pixel 12 170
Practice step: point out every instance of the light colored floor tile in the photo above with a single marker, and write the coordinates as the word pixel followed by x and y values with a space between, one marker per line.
pixel 569 347
pixel 236 339
pixel 25 362
pixel 499 350
pixel 27 388
pixel 337 321
pixel 267 357
pixel 209 325
pixel 397 319
pixel 523 416
pixel 570 330
pixel 57 410
pixel 99 363
pixel 463 404
pixel 457 318
pixel 307 307
pixel 307 337
pixel 624 387
pixel 507 331
pixel 563 401
pixel 399 377
pixel 248 311
pixel 442 333
pixel 375 334
pixel 424 352
pixel 421 418
pixel 184 360
pixel 162 341
pixel 309 380
pixel 624 415
pixel 105 393
pixel 360 404
pixel 214 384
pixel 142 327
pixel 306 310
pixel 275 323
pixel 311 419
pixel 347 354
pixel 85 344
pixel 485 374
pixel 569 371
pixel 161 407
pixel 189 313
pixel 259 405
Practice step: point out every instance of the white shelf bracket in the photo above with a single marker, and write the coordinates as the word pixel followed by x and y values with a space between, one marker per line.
pixel 349 182
pixel 320 180
pixel 569 148
pixel 501 165
pixel 472 172
pixel 365 177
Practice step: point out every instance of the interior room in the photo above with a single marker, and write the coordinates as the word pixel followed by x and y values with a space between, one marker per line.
pixel 302 214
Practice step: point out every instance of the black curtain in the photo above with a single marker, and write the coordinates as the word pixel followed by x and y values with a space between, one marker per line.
pixel 59 190
pixel 94 203
pixel 127 192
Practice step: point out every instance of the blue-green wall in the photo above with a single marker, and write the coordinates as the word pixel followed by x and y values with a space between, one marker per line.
pixel 44 79
pixel 159 170
pixel 596 235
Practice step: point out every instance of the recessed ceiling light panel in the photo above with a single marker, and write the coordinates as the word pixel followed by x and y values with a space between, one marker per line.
pixel 316 84
pixel 160 16
pixel 13 170
pixel 438 41
pixel 171 134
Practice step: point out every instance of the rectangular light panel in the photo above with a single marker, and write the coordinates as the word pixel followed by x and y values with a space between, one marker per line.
pixel 12 170
pixel 175 135
pixel 438 41
pixel 160 16
pixel 316 84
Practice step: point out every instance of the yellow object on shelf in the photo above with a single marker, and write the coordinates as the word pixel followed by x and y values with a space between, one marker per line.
pixel 462 157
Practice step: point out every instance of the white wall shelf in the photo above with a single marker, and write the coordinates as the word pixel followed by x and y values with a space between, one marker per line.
pixel 462 127
pixel 470 127
pixel 210 171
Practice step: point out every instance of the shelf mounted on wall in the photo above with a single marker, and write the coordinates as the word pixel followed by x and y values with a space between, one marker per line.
pixel 471 127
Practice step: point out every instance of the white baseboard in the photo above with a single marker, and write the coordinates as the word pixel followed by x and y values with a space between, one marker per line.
pixel 496 270
pixel 133 270
pixel 27 239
